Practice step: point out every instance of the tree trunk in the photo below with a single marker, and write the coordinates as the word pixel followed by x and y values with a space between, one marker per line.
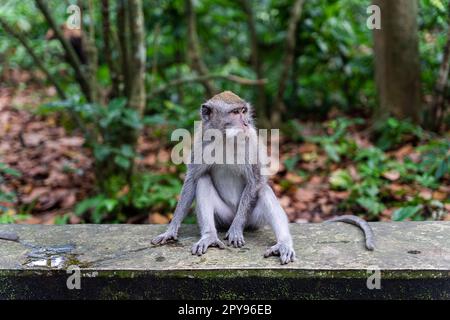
pixel 289 53
pixel 261 110
pixel 71 55
pixel 397 64
pixel 138 56
pixel 123 39
pixel 194 55
pixel 106 27
pixel 91 52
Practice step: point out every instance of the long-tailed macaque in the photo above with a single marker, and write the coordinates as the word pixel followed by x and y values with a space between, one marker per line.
pixel 233 196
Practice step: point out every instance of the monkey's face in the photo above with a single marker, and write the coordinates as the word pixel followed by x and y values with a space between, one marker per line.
pixel 230 119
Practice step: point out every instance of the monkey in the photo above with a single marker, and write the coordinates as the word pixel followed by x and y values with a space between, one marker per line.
pixel 232 196
pixel 75 38
pixel 235 196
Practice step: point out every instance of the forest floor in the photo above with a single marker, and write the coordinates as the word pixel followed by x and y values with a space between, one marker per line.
pixel 57 171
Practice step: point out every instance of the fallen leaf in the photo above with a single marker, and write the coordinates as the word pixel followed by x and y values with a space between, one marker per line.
pixel 403 151
pixel 425 194
pixel 285 201
pixel 326 208
pixel 307 147
pixel 71 141
pixel 441 196
pixel 305 195
pixel 35 194
pixel 292 177
pixel 157 218
pixel 391 175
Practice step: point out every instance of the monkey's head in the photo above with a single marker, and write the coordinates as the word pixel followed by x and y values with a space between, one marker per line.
pixel 227 113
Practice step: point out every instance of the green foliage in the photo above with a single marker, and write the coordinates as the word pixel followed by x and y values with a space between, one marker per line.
pixel 406 212
pixel 337 143
pixel 109 132
pixel 332 68
pixel 290 163
pixel 98 206
pixel 341 180
pixel 155 191
pixel 374 168
pixel 158 191
pixel 432 35
pixel 392 132
pixel 333 65
pixel 11 217
pixel 105 127
pixel 335 56
pixel 6 197
pixel 7 211
pixel 436 158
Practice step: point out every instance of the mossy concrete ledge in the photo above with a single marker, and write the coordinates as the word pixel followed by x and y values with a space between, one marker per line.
pixel 412 260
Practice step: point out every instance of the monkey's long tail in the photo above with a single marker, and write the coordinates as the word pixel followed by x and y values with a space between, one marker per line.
pixel 11 236
pixel 362 224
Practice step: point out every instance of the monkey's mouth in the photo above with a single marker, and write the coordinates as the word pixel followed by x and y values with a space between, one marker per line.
pixel 234 131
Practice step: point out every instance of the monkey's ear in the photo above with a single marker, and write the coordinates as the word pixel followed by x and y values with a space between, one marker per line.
pixel 206 112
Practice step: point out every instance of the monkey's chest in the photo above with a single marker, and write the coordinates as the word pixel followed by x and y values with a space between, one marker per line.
pixel 229 184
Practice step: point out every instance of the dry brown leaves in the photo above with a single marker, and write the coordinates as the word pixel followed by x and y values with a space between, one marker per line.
pixel 56 171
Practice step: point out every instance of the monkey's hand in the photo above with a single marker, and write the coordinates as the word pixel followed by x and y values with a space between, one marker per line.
pixel 202 245
pixel 283 250
pixel 165 237
pixel 235 236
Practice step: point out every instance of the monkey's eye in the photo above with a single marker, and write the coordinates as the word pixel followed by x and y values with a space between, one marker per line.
pixel 235 111
pixel 206 111
pixel 244 110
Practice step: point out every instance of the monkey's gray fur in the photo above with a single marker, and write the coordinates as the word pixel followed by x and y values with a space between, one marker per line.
pixel 368 233
pixel 11 236
pixel 234 196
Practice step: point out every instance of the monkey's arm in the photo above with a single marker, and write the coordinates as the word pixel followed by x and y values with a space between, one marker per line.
pixel 186 198
pixel 362 224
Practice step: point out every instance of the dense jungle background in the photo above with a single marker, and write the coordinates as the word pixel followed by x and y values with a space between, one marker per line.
pixel 86 113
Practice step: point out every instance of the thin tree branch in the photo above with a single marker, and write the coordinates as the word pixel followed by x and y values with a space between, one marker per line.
pixel 41 66
pixel 35 58
pixel 70 52
pixel 155 54
pixel 201 79
pixel 194 55
pixel 123 37
pixel 256 62
pixel 106 28
pixel 287 61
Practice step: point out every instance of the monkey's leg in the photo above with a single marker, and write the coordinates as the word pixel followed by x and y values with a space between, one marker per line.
pixel 209 202
pixel 269 210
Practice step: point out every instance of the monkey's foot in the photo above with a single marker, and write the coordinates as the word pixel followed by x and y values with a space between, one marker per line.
pixel 165 237
pixel 235 237
pixel 284 251
pixel 202 245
